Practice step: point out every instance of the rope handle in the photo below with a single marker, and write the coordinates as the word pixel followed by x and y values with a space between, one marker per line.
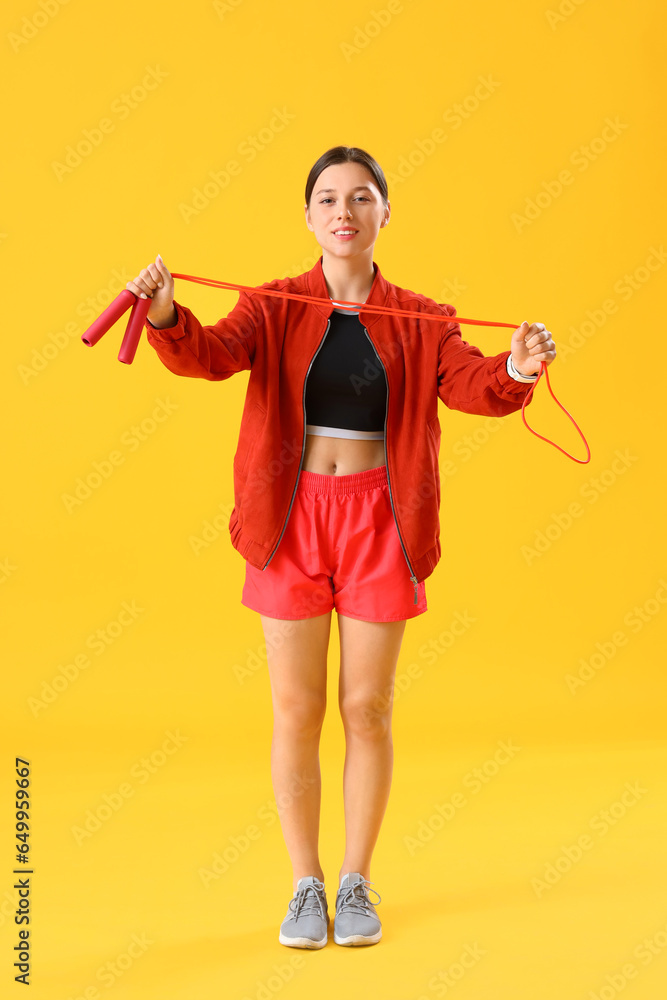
pixel 141 306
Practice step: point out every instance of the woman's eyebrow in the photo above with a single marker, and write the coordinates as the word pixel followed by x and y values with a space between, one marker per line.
pixel 361 187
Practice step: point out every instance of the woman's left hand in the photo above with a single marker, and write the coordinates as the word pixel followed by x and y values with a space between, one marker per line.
pixel 531 345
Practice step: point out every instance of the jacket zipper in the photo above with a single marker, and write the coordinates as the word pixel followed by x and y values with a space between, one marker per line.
pixel 412 572
pixel 303 443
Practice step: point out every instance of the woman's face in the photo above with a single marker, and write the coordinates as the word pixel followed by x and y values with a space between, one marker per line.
pixel 345 197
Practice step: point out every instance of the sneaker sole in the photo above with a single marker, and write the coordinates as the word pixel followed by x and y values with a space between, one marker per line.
pixel 300 942
pixel 354 939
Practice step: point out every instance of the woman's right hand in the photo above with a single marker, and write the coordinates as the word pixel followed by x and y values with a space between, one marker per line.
pixel 155 282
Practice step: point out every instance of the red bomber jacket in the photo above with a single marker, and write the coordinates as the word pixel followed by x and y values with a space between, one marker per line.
pixel 277 340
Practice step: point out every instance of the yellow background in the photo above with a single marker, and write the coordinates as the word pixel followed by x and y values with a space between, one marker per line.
pixel 71 237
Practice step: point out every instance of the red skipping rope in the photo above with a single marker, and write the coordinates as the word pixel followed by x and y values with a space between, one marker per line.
pixel 406 312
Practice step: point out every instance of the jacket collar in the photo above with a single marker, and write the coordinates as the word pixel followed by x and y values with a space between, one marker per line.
pixel 316 285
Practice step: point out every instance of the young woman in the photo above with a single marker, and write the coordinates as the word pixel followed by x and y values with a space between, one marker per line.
pixel 337 496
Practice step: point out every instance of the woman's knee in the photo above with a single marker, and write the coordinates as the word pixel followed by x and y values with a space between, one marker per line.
pixel 300 712
pixel 366 717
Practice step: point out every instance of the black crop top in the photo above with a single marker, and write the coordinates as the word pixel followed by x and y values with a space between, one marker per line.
pixel 346 385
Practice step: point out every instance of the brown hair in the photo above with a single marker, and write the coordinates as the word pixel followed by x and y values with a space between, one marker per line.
pixel 347 154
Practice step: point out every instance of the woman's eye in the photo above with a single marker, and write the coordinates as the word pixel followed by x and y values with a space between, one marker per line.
pixel 360 198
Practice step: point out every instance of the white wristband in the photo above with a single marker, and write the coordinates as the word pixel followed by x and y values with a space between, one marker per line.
pixel 511 370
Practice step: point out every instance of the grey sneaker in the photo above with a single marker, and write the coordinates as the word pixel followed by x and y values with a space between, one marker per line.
pixel 355 921
pixel 307 922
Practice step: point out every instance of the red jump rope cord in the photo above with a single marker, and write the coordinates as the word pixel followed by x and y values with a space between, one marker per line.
pixel 409 314
pixel 545 369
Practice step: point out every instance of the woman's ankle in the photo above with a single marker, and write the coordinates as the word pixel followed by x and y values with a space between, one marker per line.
pixel 317 872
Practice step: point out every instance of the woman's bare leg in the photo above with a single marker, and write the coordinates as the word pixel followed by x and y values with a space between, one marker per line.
pixel 369 654
pixel 298 676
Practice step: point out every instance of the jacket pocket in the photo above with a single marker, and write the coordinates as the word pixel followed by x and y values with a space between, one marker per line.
pixel 434 433
pixel 252 426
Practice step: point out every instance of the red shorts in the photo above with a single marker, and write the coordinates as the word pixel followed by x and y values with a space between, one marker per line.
pixel 340 549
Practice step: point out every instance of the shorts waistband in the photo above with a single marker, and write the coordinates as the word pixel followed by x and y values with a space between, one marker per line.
pixel 354 482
